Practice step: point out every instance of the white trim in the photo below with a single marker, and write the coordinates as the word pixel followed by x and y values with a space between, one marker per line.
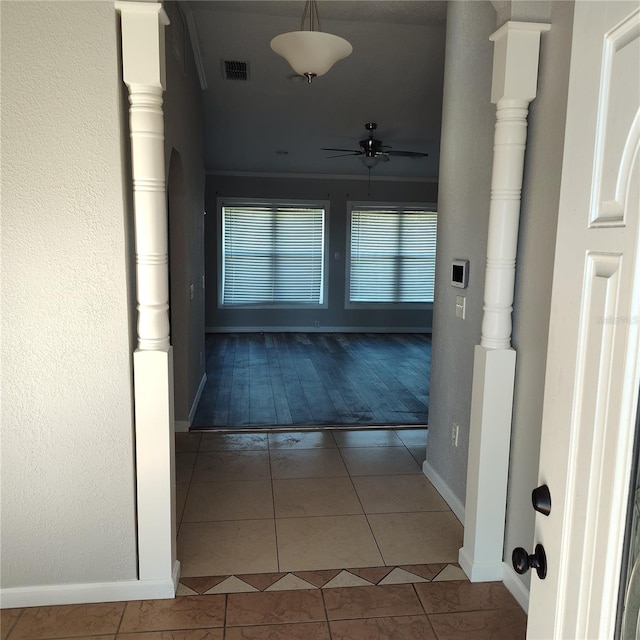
pixel 195 43
pixel 318 176
pixel 444 490
pixel 332 329
pixel 46 595
pixel 196 400
pixel 183 426
pixel 480 571
pixel 515 587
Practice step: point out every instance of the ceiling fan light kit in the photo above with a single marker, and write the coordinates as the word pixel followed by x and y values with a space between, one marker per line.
pixel 311 52
pixel 372 151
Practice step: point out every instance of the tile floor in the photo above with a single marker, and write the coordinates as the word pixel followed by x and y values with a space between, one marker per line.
pixel 301 536
pixel 428 611
pixel 283 502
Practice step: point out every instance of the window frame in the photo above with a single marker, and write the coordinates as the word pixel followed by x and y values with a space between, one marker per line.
pixel 272 202
pixel 400 207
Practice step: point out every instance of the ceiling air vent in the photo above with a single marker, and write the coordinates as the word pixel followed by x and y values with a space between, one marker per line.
pixel 235 70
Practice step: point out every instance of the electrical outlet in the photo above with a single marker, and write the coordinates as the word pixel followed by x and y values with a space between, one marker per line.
pixel 316 323
pixel 192 291
pixel 454 435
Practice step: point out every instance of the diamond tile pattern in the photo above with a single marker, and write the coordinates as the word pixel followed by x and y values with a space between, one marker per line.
pixel 261 538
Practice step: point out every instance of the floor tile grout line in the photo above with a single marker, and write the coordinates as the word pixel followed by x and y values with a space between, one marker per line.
pixel 326 515
pixel 326 614
pixel 224 616
pixel 124 609
pixel 15 623
pixel 373 535
pixel 273 505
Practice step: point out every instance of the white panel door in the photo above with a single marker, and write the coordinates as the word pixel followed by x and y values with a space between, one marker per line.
pixel 593 369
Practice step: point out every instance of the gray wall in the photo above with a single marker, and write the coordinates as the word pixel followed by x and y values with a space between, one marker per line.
pixel 68 490
pixel 536 248
pixel 185 181
pixel 466 154
pixel 338 192
pixel 467 140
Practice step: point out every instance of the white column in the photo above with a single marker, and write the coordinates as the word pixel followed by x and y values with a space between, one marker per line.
pixel 515 79
pixel 143 62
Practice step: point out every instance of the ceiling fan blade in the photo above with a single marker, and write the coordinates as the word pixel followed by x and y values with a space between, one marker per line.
pixel 407 154
pixel 344 155
pixel 345 150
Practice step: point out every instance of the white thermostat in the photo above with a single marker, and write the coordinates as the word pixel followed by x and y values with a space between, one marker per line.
pixel 459 273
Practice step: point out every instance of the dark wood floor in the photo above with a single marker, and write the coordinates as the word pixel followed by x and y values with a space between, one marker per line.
pixel 315 379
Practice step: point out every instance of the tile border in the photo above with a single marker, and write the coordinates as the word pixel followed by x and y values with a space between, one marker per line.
pixel 326 579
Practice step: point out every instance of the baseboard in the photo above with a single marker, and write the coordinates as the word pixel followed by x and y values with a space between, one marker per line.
pixel 426 330
pixel 444 490
pixel 46 595
pixel 183 426
pixel 196 400
pixel 480 572
pixel 513 583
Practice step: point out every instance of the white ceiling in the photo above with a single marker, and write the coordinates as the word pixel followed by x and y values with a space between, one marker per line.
pixel 393 77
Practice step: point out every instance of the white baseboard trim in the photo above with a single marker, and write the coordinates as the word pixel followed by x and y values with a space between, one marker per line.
pixel 444 490
pixel 183 426
pixel 478 571
pixel 194 404
pixel 46 595
pixel 513 583
pixel 426 330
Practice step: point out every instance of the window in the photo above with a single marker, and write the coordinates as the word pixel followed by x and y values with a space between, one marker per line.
pixel 272 254
pixel 392 256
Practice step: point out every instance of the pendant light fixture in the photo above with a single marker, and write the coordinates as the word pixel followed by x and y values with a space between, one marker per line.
pixel 311 52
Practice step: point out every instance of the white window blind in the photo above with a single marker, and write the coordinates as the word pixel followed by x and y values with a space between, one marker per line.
pixel 392 255
pixel 272 255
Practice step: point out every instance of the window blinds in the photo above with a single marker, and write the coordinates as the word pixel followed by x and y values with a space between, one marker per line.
pixel 392 255
pixel 272 255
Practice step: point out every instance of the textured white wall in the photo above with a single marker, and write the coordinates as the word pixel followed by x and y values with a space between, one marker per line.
pixel 534 273
pixel 466 154
pixel 67 446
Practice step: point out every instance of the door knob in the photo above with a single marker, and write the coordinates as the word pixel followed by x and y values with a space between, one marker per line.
pixel 541 499
pixel 522 561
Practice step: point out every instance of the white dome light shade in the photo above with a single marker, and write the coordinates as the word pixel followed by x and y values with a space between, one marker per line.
pixel 369 161
pixel 311 53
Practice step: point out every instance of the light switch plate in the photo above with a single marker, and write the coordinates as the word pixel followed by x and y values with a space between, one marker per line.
pixel 460 306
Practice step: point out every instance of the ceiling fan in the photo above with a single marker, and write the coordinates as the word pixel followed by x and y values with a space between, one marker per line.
pixel 372 151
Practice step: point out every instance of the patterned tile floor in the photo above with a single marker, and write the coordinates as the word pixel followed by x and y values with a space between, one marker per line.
pixel 301 536
pixel 455 610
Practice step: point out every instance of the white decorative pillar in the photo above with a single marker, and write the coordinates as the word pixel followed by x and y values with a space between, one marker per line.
pixel 143 62
pixel 515 78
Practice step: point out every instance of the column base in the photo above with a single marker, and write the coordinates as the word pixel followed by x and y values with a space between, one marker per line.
pixel 155 463
pixel 488 467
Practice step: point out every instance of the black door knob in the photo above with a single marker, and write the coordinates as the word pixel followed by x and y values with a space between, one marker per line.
pixel 522 561
pixel 541 499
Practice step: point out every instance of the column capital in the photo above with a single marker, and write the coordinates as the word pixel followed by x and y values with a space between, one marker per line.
pixel 143 52
pixel 515 60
